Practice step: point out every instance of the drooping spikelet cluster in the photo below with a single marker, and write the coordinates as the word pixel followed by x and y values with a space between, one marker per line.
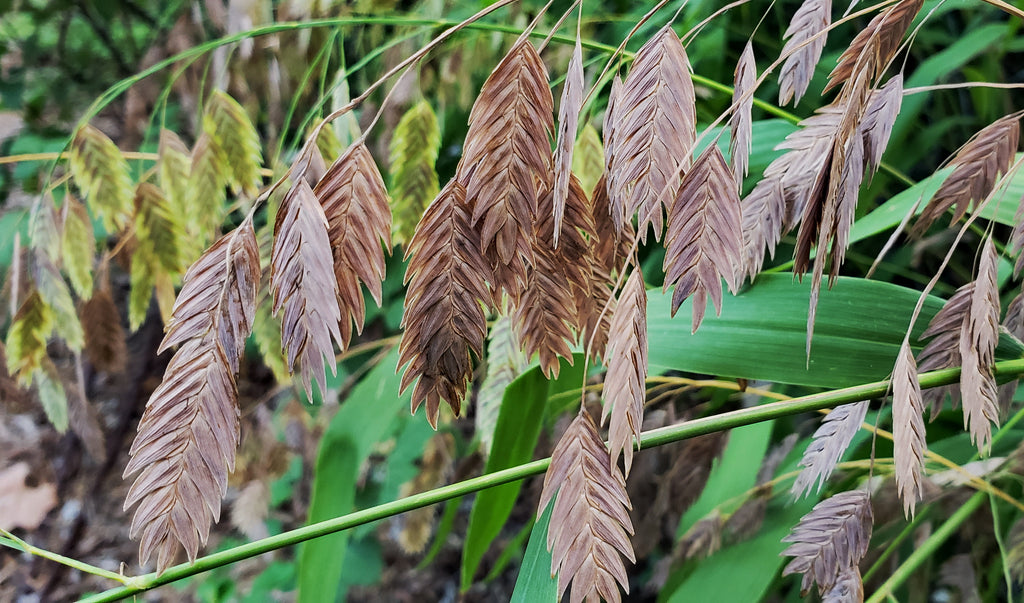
pixel 539 225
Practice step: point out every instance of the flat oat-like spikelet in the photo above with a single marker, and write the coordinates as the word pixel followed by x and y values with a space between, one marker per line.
pixel 507 161
pixel 588 157
pixel 568 119
pixel 101 173
pixel 204 202
pixel 56 294
pixel 546 319
pixel 608 252
pixel 613 242
pixel 159 255
pixel 78 246
pixel 763 221
pixel 908 431
pixel 594 320
pixel 1014 319
pixel 355 202
pixel 1016 242
pixel 625 383
pixel 654 131
pixel 414 147
pixel 978 338
pixel 850 178
pixel 830 540
pixel 610 130
pixel 740 122
pixel 505 362
pixel 705 239
pixel 590 525
pixel 832 200
pixel 443 319
pixel 876 44
pixel 779 198
pixel 189 432
pixel 235 141
pixel 105 342
pixel 302 278
pixel 158 229
pixel 812 18
pixel 26 338
pixel 173 166
pixel 807 149
pixel 879 117
pixel 848 587
pixel 830 441
pixel 943 351
pixel 977 167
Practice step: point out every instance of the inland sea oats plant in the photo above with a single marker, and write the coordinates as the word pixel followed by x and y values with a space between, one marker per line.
pixel 345 211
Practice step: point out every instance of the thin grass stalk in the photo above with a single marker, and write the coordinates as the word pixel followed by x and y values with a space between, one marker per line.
pixel 650 439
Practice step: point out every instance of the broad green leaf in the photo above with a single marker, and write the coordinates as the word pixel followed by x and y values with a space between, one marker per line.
pixel 733 474
pixel 1002 208
pixel 535 584
pixel 334 488
pixel 761 333
pixel 890 213
pixel 365 418
pixel 744 571
pixel 363 564
pixel 515 437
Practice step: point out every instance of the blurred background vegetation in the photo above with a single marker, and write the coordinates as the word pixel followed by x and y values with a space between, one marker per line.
pixel 358 446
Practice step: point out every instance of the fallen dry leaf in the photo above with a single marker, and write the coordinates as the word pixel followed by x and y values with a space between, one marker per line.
pixel 23 506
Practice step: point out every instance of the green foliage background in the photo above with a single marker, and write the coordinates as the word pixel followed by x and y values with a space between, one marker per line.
pixel 89 47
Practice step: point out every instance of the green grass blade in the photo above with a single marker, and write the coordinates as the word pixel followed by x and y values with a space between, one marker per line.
pixel 535 583
pixel 365 418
